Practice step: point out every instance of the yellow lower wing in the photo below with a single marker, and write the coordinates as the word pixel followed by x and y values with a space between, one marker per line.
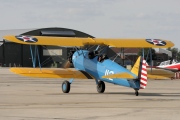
pixel 51 73
pixel 159 74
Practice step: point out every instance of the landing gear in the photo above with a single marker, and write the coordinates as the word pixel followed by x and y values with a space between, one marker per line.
pixel 66 87
pixel 100 87
pixel 136 92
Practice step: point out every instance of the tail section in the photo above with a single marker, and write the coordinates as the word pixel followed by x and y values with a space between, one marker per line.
pixel 140 70
pixel 143 75
pixel 137 67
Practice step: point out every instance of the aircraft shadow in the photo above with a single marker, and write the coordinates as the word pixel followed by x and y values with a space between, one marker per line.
pixel 147 94
pixel 125 93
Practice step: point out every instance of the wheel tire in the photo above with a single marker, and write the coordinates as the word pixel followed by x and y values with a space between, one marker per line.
pixel 66 87
pixel 136 93
pixel 100 87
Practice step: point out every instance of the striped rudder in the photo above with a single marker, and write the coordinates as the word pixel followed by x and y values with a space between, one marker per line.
pixel 143 75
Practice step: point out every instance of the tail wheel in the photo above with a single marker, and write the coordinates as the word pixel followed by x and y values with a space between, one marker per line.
pixel 136 93
pixel 66 87
pixel 100 87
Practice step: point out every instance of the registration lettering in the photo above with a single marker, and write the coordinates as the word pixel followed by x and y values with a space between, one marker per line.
pixel 108 72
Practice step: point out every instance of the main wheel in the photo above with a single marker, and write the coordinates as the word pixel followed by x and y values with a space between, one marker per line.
pixel 100 87
pixel 66 87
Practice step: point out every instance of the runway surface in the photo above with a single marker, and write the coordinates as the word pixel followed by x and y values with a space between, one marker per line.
pixel 23 98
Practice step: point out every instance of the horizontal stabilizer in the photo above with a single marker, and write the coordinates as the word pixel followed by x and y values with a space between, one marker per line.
pixel 120 75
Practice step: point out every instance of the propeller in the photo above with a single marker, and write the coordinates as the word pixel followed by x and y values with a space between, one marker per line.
pixel 68 63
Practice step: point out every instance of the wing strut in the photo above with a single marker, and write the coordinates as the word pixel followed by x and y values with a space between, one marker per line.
pixel 151 57
pixel 38 57
pixel 143 53
pixel 104 50
pixel 149 53
pixel 33 56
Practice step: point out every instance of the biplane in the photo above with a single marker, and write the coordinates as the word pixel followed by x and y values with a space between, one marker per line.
pixel 91 64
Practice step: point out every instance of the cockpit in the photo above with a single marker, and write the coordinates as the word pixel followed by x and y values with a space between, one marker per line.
pixel 93 54
pixel 103 57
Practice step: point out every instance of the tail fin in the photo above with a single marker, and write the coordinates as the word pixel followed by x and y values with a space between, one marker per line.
pixel 140 70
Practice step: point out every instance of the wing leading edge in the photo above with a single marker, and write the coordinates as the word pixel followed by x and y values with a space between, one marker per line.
pixel 69 41
pixel 51 73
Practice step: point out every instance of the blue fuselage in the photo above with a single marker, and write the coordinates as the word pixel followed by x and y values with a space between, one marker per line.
pixel 81 61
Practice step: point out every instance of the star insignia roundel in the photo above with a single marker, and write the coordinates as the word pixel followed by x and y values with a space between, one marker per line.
pixel 28 39
pixel 156 42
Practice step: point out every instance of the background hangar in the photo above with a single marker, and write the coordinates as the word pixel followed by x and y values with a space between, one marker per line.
pixel 13 54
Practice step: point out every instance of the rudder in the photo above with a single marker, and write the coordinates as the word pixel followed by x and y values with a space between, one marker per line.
pixel 143 75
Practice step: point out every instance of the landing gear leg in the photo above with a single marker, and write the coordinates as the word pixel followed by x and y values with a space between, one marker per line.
pixel 96 81
pixel 100 87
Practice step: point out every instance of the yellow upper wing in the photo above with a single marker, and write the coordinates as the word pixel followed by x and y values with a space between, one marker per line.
pixel 51 73
pixel 72 41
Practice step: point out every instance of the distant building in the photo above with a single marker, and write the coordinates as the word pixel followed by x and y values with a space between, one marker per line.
pixel 127 55
pixel 162 55
pixel 131 54
pixel 169 53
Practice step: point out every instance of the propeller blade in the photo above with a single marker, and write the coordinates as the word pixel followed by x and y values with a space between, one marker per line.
pixel 67 64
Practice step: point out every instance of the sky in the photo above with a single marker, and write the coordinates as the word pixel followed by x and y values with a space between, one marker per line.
pixel 158 19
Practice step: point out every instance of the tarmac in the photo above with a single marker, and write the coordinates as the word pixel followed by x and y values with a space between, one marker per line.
pixel 23 98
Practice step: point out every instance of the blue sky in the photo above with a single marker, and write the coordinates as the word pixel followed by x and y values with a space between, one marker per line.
pixel 100 18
